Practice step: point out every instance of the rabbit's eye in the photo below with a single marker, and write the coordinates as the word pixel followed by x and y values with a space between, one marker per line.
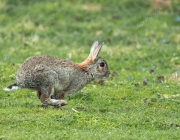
pixel 102 64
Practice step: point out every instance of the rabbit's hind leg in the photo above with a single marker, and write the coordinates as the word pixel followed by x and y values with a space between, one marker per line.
pixel 45 98
pixel 58 95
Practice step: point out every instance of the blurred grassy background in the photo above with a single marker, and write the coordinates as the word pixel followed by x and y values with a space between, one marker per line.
pixel 142 48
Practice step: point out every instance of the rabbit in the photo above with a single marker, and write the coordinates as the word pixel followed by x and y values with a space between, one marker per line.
pixel 55 78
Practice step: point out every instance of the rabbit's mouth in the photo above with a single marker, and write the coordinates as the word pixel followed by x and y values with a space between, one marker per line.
pixel 102 77
pixel 107 74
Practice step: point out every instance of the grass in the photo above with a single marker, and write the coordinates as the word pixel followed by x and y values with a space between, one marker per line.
pixel 136 102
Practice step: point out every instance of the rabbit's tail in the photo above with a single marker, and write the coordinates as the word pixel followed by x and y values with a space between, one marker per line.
pixel 12 87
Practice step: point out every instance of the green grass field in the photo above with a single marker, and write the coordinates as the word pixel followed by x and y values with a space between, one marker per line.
pixel 139 101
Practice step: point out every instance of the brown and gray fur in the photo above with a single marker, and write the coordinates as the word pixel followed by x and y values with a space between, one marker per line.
pixel 54 78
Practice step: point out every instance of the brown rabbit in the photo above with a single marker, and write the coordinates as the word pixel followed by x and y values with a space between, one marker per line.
pixel 54 77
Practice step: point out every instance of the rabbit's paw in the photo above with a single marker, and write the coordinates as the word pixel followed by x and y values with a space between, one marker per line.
pixel 58 102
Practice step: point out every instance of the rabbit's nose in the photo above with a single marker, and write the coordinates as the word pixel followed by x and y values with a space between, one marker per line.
pixel 108 73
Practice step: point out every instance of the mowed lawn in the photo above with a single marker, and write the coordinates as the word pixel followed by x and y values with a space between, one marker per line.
pixel 139 101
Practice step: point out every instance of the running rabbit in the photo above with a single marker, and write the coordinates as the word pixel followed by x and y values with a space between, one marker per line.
pixel 55 78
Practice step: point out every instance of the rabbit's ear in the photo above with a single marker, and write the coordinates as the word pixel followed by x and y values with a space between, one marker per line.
pixel 95 49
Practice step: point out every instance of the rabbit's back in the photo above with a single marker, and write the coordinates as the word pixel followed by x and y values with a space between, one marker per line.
pixel 32 62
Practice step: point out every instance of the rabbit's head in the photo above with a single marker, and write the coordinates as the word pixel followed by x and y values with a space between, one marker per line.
pixel 94 64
